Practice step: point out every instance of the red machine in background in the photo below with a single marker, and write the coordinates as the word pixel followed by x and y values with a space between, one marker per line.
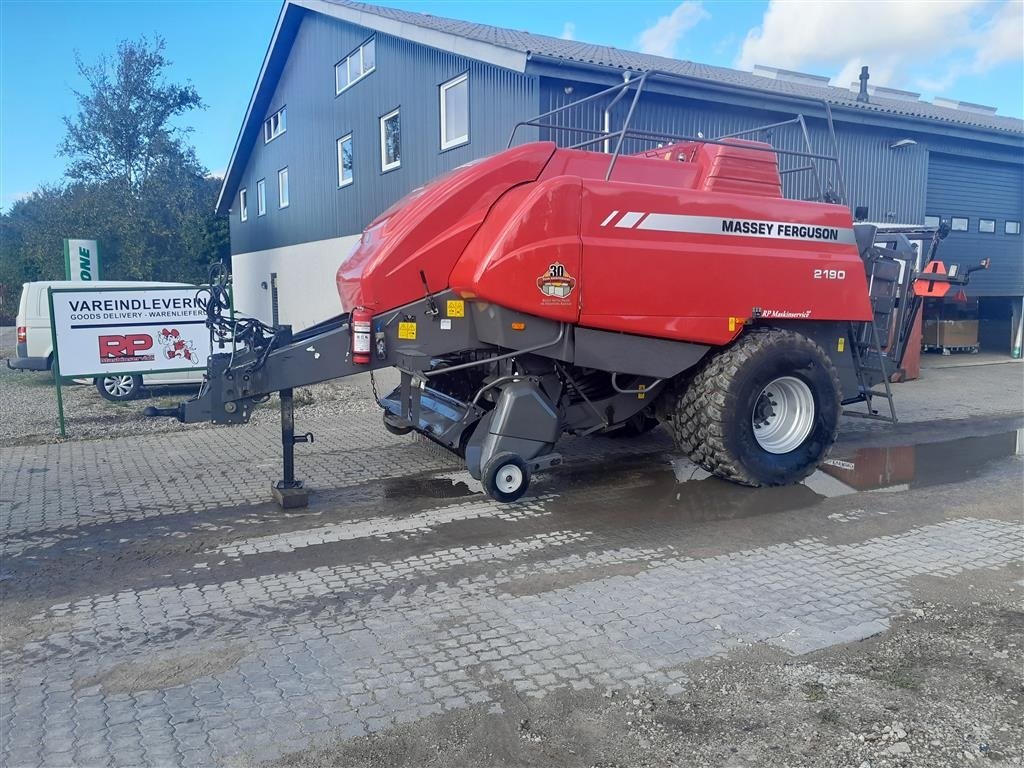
pixel 549 290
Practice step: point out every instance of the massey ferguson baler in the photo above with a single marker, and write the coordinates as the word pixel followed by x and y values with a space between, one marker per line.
pixel 547 290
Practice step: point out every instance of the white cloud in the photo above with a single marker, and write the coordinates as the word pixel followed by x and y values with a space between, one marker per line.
pixel 568 31
pixel 906 43
pixel 1001 39
pixel 662 37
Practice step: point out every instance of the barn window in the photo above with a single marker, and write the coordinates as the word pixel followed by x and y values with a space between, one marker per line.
pixel 274 126
pixel 282 188
pixel 959 223
pixel 354 67
pixel 243 204
pixel 345 160
pixel 931 221
pixel 455 112
pixel 986 225
pixel 261 197
pixel 1012 228
pixel 390 141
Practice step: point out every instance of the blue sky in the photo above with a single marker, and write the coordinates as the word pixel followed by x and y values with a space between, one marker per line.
pixel 962 49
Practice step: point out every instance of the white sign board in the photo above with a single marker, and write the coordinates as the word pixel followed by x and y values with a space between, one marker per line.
pixel 82 260
pixel 129 330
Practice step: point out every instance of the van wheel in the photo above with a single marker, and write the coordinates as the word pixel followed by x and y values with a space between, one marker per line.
pixel 119 389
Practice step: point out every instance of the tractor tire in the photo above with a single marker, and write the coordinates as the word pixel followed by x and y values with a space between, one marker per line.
pixel 763 411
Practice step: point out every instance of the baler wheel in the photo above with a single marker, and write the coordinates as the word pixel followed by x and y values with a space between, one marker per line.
pixel 763 411
pixel 505 477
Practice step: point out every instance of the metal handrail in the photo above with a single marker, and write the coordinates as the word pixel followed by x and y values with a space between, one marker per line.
pixel 625 132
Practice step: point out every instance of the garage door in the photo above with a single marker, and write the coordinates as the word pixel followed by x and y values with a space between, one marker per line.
pixel 984 201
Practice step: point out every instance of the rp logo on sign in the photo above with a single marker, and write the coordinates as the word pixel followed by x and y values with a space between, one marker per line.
pixel 127 348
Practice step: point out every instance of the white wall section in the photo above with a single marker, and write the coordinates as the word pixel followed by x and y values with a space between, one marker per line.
pixel 307 291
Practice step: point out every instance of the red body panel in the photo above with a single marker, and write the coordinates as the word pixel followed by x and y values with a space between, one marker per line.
pixel 529 230
pixel 687 285
pixel 429 228
pixel 676 249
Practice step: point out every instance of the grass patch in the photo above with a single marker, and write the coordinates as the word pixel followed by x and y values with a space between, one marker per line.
pixel 829 716
pixel 814 691
pixel 902 677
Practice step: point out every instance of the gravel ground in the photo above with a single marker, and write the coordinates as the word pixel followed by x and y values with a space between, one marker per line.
pixel 28 402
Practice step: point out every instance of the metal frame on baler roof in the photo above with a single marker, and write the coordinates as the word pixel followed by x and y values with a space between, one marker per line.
pixel 620 135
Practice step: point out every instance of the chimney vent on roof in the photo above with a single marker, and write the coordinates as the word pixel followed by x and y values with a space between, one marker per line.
pixel 862 95
pixel 789 76
pixel 964 106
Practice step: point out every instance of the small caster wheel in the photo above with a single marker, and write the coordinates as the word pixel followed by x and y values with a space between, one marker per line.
pixel 395 429
pixel 505 477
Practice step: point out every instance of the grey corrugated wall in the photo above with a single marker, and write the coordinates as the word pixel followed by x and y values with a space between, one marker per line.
pixel 406 76
pixel 975 189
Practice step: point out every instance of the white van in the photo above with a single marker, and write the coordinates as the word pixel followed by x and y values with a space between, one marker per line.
pixel 35 342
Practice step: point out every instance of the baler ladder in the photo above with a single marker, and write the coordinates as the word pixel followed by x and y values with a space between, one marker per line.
pixel 864 356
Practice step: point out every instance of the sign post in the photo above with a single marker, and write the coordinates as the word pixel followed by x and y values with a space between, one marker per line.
pixel 56 365
pixel 126 331
pixel 81 260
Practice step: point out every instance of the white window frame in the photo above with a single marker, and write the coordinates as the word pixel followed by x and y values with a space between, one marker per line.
pixel 444 88
pixel 384 165
pixel 342 66
pixel 269 134
pixel 282 188
pixel 243 204
pixel 342 181
pixel 261 197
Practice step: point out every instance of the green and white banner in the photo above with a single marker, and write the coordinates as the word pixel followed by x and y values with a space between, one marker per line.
pixel 81 260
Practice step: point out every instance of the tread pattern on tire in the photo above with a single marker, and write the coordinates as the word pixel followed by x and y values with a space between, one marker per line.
pixel 698 420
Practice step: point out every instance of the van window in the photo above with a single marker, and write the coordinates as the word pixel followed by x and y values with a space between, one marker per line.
pixel 42 301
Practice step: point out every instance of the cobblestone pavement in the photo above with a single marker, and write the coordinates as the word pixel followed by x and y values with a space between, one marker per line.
pixel 159 612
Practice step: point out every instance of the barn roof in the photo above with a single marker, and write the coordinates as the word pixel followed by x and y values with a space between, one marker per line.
pixel 516 49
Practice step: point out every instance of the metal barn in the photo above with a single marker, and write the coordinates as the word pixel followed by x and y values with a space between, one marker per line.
pixel 356 105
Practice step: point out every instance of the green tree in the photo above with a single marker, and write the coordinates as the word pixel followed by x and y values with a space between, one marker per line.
pixel 127 143
pixel 124 131
pixel 133 182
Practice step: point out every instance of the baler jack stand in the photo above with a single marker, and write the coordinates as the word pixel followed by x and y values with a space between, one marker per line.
pixel 288 492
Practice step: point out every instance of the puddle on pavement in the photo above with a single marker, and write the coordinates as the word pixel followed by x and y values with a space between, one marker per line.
pixel 677 485
pixel 425 487
pixel 907 467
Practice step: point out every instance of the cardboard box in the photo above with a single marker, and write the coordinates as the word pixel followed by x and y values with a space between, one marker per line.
pixel 950 333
